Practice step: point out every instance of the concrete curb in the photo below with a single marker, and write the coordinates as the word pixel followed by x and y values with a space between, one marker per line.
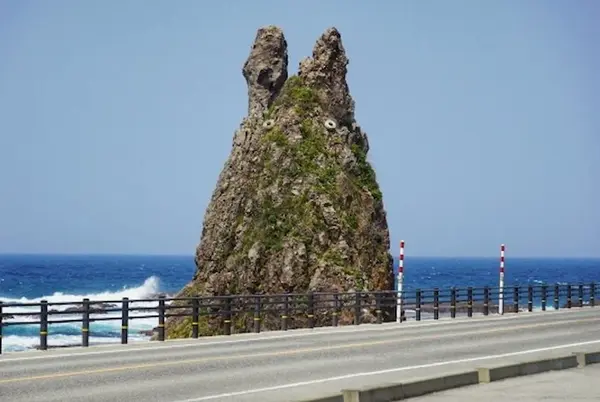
pixel 410 389
pixel 483 375
pixel 487 375
pixel 588 358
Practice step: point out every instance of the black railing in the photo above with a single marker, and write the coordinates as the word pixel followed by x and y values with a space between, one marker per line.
pixel 254 313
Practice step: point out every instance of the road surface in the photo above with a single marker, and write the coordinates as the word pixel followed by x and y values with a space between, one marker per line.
pixel 291 366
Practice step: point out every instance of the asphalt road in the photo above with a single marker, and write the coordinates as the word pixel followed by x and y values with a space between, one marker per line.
pixel 293 366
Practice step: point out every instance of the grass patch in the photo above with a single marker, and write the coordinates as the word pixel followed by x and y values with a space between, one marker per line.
pixel 297 95
pixel 276 136
pixel 366 175
pixel 288 214
pixel 292 215
pixel 351 220
pixel 333 256
pixel 183 328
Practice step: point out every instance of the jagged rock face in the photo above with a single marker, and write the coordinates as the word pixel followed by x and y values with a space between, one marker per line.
pixel 297 206
pixel 265 70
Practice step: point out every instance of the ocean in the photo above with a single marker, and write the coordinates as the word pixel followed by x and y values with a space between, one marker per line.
pixel 65 278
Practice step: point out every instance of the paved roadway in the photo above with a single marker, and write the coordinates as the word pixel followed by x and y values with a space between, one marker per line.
pixel 292 366
pixel 579 385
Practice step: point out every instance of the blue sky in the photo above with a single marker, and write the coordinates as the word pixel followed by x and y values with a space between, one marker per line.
pixel 117 117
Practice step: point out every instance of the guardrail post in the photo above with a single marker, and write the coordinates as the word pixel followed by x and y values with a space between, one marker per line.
pixel 0 327
pixel 227 319
pixel 486 300
pixel 336 309
pixel 195 317
pixel 516 299
pixel 470 302
pixel 592 294
pixel 257 314
pixel 161 318
pixel 580 298
pixel 85 323
pixel 530 298
pixel 311 310
pixel 453 302
pixel 436 303
pixel 357 307
pixel 418 305
pixel 556 296
pixel 286 313
pixel 124 320
pixel 43 325
pixel 569 295
pixel 544 293
pixel 378 308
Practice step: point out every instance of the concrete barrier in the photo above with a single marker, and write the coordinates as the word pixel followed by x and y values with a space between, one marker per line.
pixel 399 391
pixel 587 358
pixel 395 392
pixel 487 375
pixel 331 398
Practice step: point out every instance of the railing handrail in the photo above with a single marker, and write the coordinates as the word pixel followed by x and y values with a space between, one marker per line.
pixel 327 305
pixel 407 289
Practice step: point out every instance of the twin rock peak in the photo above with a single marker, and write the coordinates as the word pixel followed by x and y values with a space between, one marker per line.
pixel 297 206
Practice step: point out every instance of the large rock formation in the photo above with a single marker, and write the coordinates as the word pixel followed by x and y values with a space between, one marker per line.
pixel 297 206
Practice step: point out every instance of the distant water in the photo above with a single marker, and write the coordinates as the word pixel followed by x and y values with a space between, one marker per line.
pixel 30 278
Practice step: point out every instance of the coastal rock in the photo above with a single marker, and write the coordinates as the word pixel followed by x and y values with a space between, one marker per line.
pixel 148 332
pixel 297 206
pixel 96 308
pixel 265 70
pixel 326 70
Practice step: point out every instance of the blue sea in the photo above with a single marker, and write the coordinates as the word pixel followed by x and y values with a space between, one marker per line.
pixel 68 278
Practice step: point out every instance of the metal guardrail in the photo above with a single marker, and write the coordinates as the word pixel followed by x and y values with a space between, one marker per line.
pixel 357 307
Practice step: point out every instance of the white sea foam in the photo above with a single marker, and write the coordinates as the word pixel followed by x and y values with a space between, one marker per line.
pixel 26 336
pixel 149 288
pixel 16 343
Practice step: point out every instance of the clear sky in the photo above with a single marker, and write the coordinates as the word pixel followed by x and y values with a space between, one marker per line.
pixel 116 118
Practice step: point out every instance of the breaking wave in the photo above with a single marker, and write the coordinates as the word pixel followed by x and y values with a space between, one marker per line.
pixel 24 336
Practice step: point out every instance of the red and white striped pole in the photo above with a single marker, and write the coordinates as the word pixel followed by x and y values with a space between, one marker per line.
pixel 400 282
pixel 501 290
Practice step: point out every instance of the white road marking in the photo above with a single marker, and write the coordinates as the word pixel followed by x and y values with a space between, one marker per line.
pixel 394 370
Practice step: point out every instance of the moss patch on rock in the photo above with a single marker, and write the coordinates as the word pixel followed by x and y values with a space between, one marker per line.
pixel 294 214
pixel 366 176
pixel 296 95
pixel 276 136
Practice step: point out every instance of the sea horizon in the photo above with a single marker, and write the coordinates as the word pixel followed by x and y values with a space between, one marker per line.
pixel 175 255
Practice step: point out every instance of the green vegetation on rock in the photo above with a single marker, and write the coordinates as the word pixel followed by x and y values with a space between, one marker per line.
pixel 276 136
pixel 293 215
pixel 305 100
pixel 366 176
pixel 184 329
pixel 295 94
